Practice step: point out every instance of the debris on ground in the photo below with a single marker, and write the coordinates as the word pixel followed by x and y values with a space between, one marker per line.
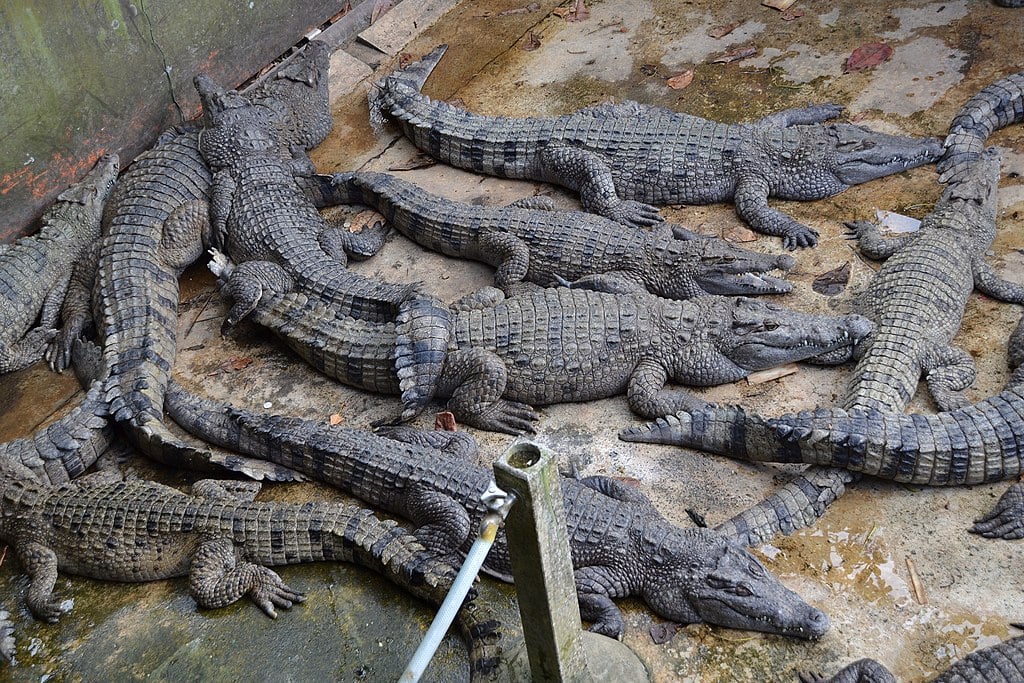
pixel 832 282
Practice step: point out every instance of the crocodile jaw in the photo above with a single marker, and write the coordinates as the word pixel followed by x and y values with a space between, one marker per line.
pixel 863 155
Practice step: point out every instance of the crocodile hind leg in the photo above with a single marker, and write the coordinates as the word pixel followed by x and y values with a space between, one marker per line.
pixel 948 372
pixel 442 525
pixel 41 564
pixel 341 243
pixel 514 257
pixel 990 284
pixel 1006 519
pixel 76 309
pixel 475 379
pixel 245 286
pixel 459 445
pixel 589 174
pixel 50 312
pixel 27 350
pixel 751 198
pixel 217 579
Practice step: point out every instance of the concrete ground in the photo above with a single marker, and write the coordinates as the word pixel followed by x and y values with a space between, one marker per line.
pixel 856 564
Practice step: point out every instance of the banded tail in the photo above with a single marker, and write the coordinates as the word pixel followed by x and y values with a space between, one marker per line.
pixel 996 106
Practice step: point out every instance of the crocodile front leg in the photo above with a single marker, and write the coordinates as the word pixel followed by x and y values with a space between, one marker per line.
pixel 246 284
pixel 222 194
pixel 217 579
pixel 475 379
pixel 802 116
pixel 987 282
pixel 648 397
pixel 76 309
pixel 589 174
pixel 614 282
pixel 948 371
pixel 872 244
pixel 1006 519
pixel 595 588
pixel 751 198
pixel 41 564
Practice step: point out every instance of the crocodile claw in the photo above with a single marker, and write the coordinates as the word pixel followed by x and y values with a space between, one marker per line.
pixel 508 417
pixel 270 591
pixel 634 214
pixel 1006 520
pixel 799 237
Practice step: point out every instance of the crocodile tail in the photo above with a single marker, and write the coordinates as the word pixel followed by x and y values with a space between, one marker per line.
pixel 385 94
pixel 726 430
pixel 422 330
pixel 995 106
pixel 795 505
pixel 212 422
pixel 66 448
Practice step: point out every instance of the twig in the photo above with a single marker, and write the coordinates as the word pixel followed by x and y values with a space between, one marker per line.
pixel 915 583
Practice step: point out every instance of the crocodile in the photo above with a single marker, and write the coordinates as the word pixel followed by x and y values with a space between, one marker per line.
pixel 155 225
pixel 996 106
pixel 566 345
pixel 622 158
pixel 1000 663
pixel 260 213
pixel 530 241
pixel 219 536
pixel 35 270
pixel 917 300
pixel 620 545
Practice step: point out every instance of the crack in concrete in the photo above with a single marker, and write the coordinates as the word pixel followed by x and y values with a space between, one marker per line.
pixel 163 58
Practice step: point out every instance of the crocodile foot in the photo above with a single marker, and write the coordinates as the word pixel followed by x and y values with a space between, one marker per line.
pixel 634 214
pixel 508 417
pixel 1006 519
pixel 269 591
pixel 799 236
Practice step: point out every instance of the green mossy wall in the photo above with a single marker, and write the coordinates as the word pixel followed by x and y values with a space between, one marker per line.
pixel 82 77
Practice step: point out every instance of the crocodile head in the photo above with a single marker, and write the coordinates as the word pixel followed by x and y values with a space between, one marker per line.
pixel 300 83
pixel 234 126
pixel 745 335
pixel 96 186
pixel 698 575
pixel 862 155
pixel 681 265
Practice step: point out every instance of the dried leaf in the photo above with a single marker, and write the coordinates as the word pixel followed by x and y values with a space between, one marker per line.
pixel 735 55
pixel 832 282
pixel 915 583
pixel 238 363
pixel 445 422
pixel 416 161
pixel 579 11
pixel 649 69
pixel 722 31
pixel 380 8
pixel 663 632
pixel 680 81
pixel 772 374
pixel 335 419
pixel 738 233
pixel 363 219
pixel 404 60
pixel 629 481
pixel 792 14
pixel 778 4
pixel 561 11
pixel 532 42
pixel 867 56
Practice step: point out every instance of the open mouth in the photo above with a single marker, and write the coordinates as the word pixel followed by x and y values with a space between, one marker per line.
pixel 744 283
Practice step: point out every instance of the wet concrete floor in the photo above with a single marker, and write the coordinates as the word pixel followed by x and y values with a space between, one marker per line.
pixel 855 564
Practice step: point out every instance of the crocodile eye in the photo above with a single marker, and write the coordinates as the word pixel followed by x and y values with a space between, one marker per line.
pixel 756 569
